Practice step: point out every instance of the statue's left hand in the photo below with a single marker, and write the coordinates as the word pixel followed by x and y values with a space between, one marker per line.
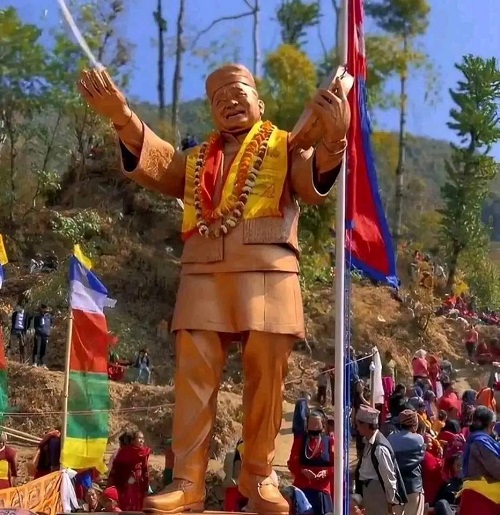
pixel 333 112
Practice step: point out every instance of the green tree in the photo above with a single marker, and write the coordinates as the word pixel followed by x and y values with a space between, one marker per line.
pixel 23 65
pixel 289 83
pixel 404 20
pixel 471 169
pixel 83 129
pixel 294 18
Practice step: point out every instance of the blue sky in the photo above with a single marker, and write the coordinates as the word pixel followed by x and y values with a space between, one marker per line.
pixel 457 27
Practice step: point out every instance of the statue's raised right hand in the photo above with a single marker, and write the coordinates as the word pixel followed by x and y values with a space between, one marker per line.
pixel 102 95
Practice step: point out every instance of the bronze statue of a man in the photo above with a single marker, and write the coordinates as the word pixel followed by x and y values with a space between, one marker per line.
pixel 239 274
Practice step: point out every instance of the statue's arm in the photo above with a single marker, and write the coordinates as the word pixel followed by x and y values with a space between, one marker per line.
pixel 150 161
pixel 314 171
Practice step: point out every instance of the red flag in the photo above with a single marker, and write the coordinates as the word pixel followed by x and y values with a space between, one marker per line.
pixel 369 242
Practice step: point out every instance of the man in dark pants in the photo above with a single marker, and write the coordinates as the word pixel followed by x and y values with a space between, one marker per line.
pixel 19 327
pixel 42 323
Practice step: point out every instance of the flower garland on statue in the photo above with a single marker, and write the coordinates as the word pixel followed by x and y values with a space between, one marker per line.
pixel 246 176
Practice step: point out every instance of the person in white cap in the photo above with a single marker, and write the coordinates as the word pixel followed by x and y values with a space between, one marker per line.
pixel 378 478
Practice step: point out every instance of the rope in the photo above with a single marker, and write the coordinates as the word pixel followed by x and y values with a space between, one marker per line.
pixel 91 412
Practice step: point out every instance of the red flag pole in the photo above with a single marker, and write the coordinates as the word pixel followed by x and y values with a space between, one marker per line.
pixel 340 409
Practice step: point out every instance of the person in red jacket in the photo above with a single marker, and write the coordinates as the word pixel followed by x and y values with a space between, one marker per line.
pixel 450 401
pixel 129 473
pixel 311 463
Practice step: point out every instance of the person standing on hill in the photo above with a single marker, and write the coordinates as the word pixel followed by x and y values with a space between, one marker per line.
pixel 143 366
pixel 471 341
pixel 42 323
pixel 322 381
pixel 19 328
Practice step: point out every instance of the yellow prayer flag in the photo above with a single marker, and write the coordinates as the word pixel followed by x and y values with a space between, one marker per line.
pixel 3 253
pixel 84 260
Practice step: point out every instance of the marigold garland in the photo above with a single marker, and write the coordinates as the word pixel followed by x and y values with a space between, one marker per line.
pixel 246 177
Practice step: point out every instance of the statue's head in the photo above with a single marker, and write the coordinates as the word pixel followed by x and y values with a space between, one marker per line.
pixel 234 100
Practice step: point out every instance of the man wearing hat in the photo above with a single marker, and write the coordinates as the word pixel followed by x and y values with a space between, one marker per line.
pixel 239 265
pixel 378 478
pixel 409 449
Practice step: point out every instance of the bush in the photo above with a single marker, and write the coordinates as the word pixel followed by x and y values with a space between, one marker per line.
pixel 483 278
pixel 83 226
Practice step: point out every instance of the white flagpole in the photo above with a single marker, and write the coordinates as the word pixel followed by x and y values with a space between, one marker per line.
pixel 340 409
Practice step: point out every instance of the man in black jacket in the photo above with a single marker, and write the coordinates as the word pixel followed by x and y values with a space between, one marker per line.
pixel 42 323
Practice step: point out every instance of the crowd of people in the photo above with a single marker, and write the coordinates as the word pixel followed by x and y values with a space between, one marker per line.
pixel 426 449
pixel 464 306
pixel 34 330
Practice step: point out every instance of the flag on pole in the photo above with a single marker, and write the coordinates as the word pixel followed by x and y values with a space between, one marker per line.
pixel 369 242
pixel 3 260
pixel 3 363
pixel 87 427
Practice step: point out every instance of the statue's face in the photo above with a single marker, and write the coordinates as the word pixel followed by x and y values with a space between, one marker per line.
pixel 236 108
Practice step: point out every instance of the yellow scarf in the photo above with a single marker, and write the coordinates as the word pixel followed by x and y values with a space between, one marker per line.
pixel 266 194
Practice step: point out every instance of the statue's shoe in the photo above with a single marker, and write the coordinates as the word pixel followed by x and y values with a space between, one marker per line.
pixel 178 497
pixel 263 495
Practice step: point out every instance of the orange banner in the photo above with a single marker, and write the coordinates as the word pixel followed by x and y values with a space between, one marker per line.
pixel 42 496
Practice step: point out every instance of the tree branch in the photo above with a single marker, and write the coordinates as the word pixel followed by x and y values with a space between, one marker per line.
pixel 215 22
pixel 320 36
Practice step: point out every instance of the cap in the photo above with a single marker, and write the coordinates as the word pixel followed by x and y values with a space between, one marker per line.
pixel 111 493
pixel 408 418
pixel 228 74
pixel 367 415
